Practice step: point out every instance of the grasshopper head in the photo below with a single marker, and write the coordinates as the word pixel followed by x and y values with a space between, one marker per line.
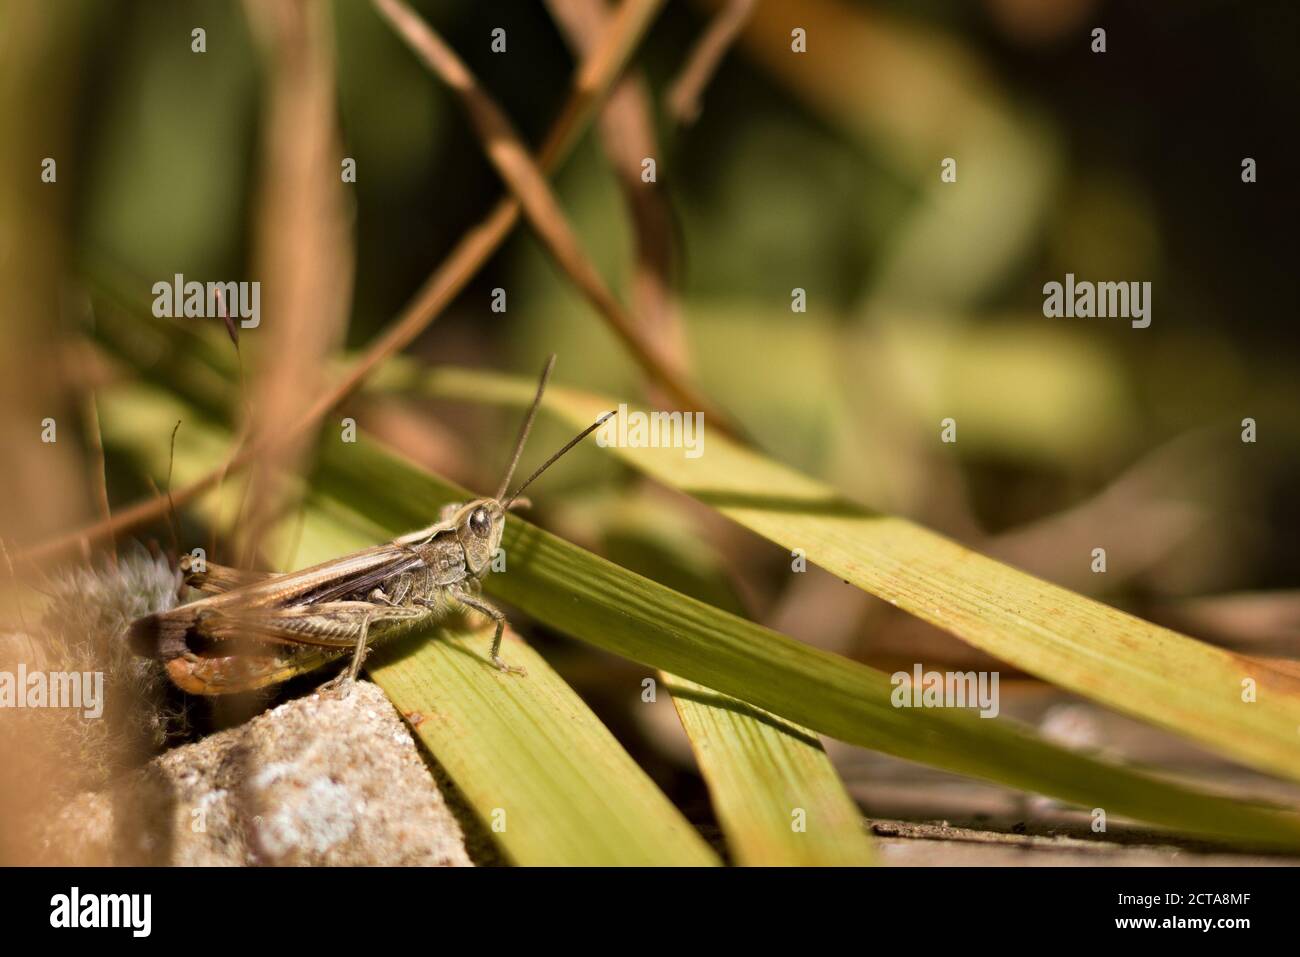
pixel 479 525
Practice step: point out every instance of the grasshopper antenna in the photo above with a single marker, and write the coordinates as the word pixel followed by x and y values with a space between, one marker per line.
pixel 172 525
pixel 551 461
pixel 171 503
pixel 526 428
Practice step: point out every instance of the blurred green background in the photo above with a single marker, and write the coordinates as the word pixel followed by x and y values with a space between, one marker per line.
pixel 818 171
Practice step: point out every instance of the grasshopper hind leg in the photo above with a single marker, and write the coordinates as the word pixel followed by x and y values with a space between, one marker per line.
pixel 341 685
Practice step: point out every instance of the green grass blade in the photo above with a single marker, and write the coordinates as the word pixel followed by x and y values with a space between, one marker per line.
pixel 775 792
pixel 1074 642
pixel 612 608
pixel 760 770
pixel 528 753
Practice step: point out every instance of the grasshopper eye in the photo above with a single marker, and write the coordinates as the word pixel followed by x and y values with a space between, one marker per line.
pixel 479 523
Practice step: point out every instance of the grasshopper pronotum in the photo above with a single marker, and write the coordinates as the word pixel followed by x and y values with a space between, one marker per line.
pixel 284 625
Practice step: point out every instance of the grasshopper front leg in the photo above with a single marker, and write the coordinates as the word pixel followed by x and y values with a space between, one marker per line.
pixel 470 600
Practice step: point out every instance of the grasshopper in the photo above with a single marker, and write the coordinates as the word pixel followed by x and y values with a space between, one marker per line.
pixel 256 628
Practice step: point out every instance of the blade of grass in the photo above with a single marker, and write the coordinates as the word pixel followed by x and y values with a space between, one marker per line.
pixel 683 98
pixel 528 754
pixel 303 239
pixel 775 792
pixel 778 798
pixel 592 599
pixel 1075 642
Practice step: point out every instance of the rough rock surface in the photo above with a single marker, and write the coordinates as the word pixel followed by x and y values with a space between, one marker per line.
pixel 317 780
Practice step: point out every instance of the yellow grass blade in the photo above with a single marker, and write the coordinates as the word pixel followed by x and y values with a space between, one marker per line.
pixel 612 608
pixel 632 616
pixel 773 787
pixel 1075 642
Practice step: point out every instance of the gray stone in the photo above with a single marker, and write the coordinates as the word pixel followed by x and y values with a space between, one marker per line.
pixel 315 781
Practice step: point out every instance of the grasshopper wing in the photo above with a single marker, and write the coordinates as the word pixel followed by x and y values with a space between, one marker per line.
pixel 163 635
pixel 333 624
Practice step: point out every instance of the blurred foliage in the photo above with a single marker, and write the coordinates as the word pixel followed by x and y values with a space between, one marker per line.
pixel 817 171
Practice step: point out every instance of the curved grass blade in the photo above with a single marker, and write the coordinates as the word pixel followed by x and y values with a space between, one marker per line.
pixel 773 788
pixel 776 794
pixel 1074 642
pixel 592 599
pixel 612 608
pixel 531 757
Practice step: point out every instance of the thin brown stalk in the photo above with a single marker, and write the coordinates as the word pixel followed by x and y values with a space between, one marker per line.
pixel 509 154
pixel 683 100
pixel 627 136
pixel 99 470
pixel 237 447
pixel 590 86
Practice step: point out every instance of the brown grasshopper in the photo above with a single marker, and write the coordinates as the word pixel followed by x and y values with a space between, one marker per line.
pixel 257 628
